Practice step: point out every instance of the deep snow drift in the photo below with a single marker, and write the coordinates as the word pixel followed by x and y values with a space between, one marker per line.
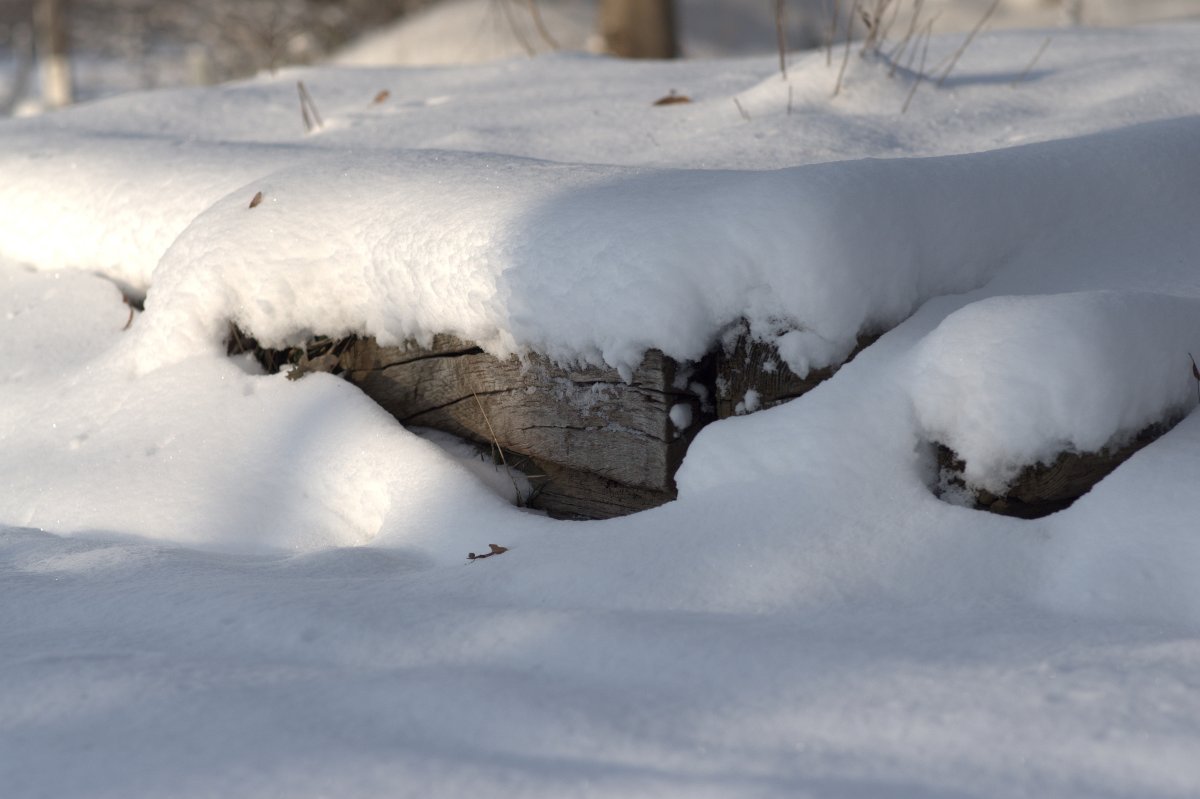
pixel 216 581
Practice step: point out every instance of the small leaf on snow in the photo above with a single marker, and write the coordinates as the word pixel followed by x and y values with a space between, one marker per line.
pixel 257 199
pixel 496 550
pixel 673 99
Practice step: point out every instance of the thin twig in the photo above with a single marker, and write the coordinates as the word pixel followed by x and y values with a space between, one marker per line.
pixel 1029 67
pixel 742 111
pixel 899 49
pixel 970 38
pixel 781 38
pixel 912 56
pixel 837 88
pixel 928 33
pixel 831 34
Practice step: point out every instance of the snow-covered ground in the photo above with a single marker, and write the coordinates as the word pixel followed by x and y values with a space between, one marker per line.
pixel 216 582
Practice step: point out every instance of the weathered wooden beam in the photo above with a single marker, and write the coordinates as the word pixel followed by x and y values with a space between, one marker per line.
pixel 585 418
pixel 594 445
pixel 597 445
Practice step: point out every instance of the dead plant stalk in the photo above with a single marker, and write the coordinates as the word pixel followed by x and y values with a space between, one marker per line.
pixel 500 449
pixel 962 48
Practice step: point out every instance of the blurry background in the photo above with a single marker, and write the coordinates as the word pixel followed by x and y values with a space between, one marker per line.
pixel 109 46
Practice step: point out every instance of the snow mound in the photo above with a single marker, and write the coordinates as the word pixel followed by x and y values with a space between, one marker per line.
pixel 1012 381
pixel 601 263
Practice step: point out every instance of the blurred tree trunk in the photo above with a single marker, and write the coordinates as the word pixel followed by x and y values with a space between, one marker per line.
pixel 50 22
pixel 22 44
pixel 639 28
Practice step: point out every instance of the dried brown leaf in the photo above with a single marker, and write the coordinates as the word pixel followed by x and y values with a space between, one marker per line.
pixel 257 199
pixel 496 549
pixel 673 99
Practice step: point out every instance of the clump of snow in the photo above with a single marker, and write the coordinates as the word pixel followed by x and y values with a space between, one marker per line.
pixel 681 415
pixel 749 403
pixel 1012 381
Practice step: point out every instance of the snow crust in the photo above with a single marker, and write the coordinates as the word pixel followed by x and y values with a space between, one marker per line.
pixel 217 582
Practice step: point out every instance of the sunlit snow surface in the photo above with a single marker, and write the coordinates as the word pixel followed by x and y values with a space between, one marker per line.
pixel 215 582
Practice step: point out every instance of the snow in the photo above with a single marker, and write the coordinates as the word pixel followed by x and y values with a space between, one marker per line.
pixel 1010 381
pixel 215 581
pixel 681 416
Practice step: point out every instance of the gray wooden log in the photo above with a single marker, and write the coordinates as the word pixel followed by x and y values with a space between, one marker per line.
pixel 600 446
pixel 594 445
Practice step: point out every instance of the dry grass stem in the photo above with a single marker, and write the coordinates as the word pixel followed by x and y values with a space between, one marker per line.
pixel 1036 56
pixel 891 23
pixel 912 55
pixel 499 449
pixel 900 48
pixel 928 34
pixel 308 110
pixel 781 38
pixel 837 87
pixel 535 11
pixel 831 32
pixel 873 20
pixel 962 48
pixel 742 111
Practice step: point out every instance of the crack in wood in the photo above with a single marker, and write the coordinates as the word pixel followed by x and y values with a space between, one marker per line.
pixel 453 402
pixel 600 428
pixel 424 357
